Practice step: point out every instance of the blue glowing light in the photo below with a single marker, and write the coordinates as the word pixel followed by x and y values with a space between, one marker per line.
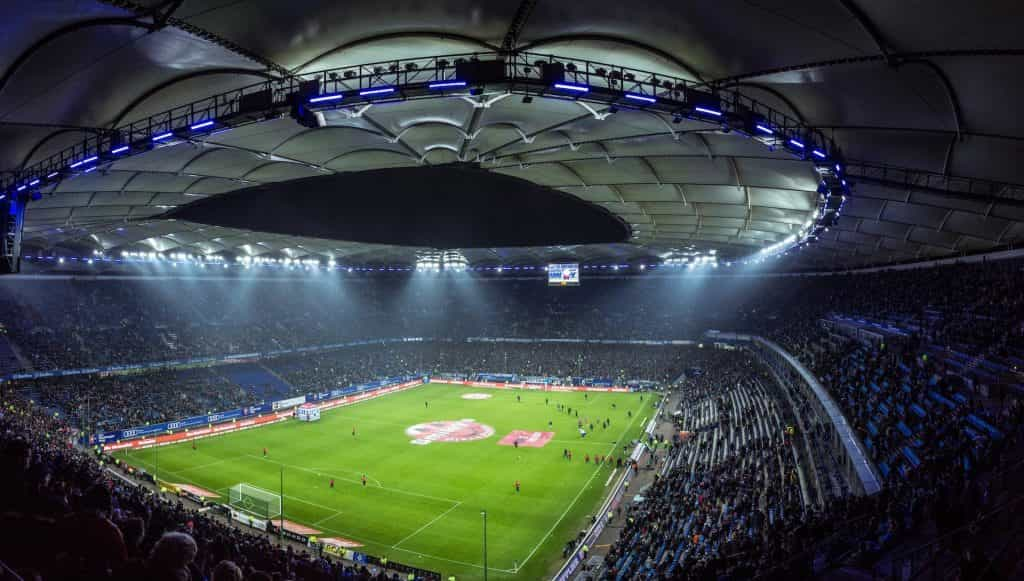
pixel 764 129
pixel 119 150
pixel 376 91
pixel 796 143
pixel 162 136
pixel 202 125
pixel 53 175
pixel 34 182
pixel 447 84
pixel 21 188
pixel 575 88
pixel 643 98
pixel 325 98
pixel 707 111
pixel 818 154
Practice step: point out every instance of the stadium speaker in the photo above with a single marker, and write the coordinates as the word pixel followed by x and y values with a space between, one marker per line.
pixel 552 73
pixel 306 90
pixel 254 105
pixel 474 72
pixel 695 98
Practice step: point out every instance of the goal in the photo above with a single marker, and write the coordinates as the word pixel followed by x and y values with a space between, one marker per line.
pixel 253 500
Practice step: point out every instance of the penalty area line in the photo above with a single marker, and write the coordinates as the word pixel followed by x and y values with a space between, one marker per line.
pixel 422 528
pixel 351 481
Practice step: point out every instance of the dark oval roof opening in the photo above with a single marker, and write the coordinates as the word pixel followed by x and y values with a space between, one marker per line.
pixel 450 206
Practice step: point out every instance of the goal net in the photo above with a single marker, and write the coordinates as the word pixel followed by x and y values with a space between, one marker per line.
pixel 254 500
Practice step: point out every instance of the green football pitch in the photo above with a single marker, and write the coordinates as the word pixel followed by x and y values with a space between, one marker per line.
pixel 423 497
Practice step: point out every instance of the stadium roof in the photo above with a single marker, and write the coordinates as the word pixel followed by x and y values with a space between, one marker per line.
pixel 921 106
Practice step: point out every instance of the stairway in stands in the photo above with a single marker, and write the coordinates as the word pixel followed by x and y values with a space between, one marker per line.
pixel 10 360
pixel 263 384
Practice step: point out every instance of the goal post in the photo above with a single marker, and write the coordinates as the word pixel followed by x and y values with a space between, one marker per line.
pixel 254 500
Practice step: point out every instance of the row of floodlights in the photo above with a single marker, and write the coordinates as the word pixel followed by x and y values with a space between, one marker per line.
pixel 90 163
pixel 246 262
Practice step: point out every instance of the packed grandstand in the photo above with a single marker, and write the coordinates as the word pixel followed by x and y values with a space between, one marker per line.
pixel 927 377
pixel 511 290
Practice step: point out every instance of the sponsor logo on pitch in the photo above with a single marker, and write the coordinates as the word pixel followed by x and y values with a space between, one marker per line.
pixel 466 430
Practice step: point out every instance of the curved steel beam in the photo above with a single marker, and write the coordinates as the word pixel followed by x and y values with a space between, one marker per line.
pixel 954 102
pixel 868 26
pixel 180 79
pixel 65 30
pixel 920 130
pixel 994 52
pixel 391 35
pixel 210 37
pixel 621 40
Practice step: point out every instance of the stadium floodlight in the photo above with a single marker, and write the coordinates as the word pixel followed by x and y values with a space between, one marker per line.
pixel 376 91
pixel 708 111
pixel 119 150
pixel 797 143
pixel 326 98
pixel 764 129
pixel 52 175
pixel 643 98
pixel 21 188
pixel 573 88
pixel 201 125
pixel 447 84
pixel 34 183
pixel 818 153
pixel 162 136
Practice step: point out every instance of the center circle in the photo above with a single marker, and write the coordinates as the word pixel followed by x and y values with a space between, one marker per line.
pixel 466 430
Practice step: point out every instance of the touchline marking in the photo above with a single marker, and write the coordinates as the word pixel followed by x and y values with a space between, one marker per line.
pixel 327 518
pixel 434 520
pixel 343 479
pixel 576 499
pixel 610 476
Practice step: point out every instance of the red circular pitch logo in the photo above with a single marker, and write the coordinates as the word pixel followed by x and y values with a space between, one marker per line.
pixel 449 431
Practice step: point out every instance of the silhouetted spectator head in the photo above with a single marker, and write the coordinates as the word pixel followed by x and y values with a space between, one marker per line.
pixel 171 556
pixel 227 571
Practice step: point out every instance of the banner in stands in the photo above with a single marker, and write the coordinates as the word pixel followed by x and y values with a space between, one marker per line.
pixel 288 403
pixel 256 523
pixel 163 440
pixel 163 427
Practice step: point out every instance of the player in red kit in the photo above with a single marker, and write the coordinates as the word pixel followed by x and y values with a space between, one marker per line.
pixel 332 483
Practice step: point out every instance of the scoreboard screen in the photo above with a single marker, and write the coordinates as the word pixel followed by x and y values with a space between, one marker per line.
pixel 563 275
